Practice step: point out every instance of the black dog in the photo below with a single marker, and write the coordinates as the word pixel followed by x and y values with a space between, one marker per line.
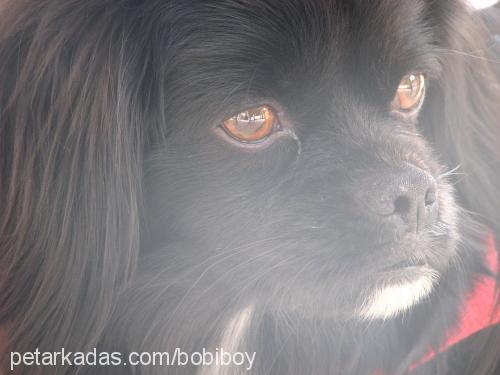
pixel 311 180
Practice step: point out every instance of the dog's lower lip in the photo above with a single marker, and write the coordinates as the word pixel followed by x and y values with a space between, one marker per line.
pixel 407 264
pixel 407 272
pixel 404 265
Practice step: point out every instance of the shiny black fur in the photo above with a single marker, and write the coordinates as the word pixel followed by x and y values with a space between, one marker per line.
pixel 130 223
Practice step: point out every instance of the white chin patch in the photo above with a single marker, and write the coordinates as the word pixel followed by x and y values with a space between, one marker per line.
pixel 393 299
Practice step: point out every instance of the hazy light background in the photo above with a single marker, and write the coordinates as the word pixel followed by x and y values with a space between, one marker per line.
pixel 482 3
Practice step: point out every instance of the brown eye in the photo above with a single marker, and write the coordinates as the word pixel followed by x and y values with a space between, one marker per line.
pixel 252 125
pixel 410 93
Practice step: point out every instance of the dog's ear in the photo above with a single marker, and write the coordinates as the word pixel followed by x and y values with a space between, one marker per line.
pixel 71 133
pixel 462 111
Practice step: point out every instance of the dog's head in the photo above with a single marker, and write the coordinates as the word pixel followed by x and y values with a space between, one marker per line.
pixel 291 154
pixel 295 161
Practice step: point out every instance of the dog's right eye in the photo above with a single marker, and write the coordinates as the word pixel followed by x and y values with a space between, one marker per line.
pixel 252 125
pixel 410 94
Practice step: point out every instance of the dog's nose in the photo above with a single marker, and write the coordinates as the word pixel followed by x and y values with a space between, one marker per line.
pixel 408 198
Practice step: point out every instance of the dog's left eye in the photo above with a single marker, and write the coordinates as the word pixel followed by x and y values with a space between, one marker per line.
pixel 252 125
pixel 410 94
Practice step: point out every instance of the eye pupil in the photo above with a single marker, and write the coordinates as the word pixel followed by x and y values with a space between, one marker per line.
pixel 252 125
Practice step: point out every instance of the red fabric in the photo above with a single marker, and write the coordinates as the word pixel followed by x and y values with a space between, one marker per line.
pixel 480 310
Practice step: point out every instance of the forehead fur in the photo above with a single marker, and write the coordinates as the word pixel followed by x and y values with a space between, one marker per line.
pixel 273 51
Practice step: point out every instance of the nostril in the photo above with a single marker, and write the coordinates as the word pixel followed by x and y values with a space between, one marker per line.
pixel 406 201
pixel 402 204
pixel 430 197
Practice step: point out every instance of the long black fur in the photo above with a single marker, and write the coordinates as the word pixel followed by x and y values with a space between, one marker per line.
pixel 127 223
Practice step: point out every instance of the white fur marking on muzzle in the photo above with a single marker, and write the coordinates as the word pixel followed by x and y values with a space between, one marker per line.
pixel 392 300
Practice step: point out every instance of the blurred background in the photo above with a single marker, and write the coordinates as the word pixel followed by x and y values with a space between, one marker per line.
pixel 483 3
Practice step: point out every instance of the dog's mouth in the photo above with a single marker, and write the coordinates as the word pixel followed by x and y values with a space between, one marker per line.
pixel 415 264
pixel 405 265
pixel 410 268
pixel 430 248
pixel 407 272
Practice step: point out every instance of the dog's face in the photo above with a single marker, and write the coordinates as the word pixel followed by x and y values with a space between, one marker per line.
pixel 232 173
pixel 295 170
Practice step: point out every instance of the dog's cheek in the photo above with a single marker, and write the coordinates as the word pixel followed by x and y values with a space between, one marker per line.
pixel 210 191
